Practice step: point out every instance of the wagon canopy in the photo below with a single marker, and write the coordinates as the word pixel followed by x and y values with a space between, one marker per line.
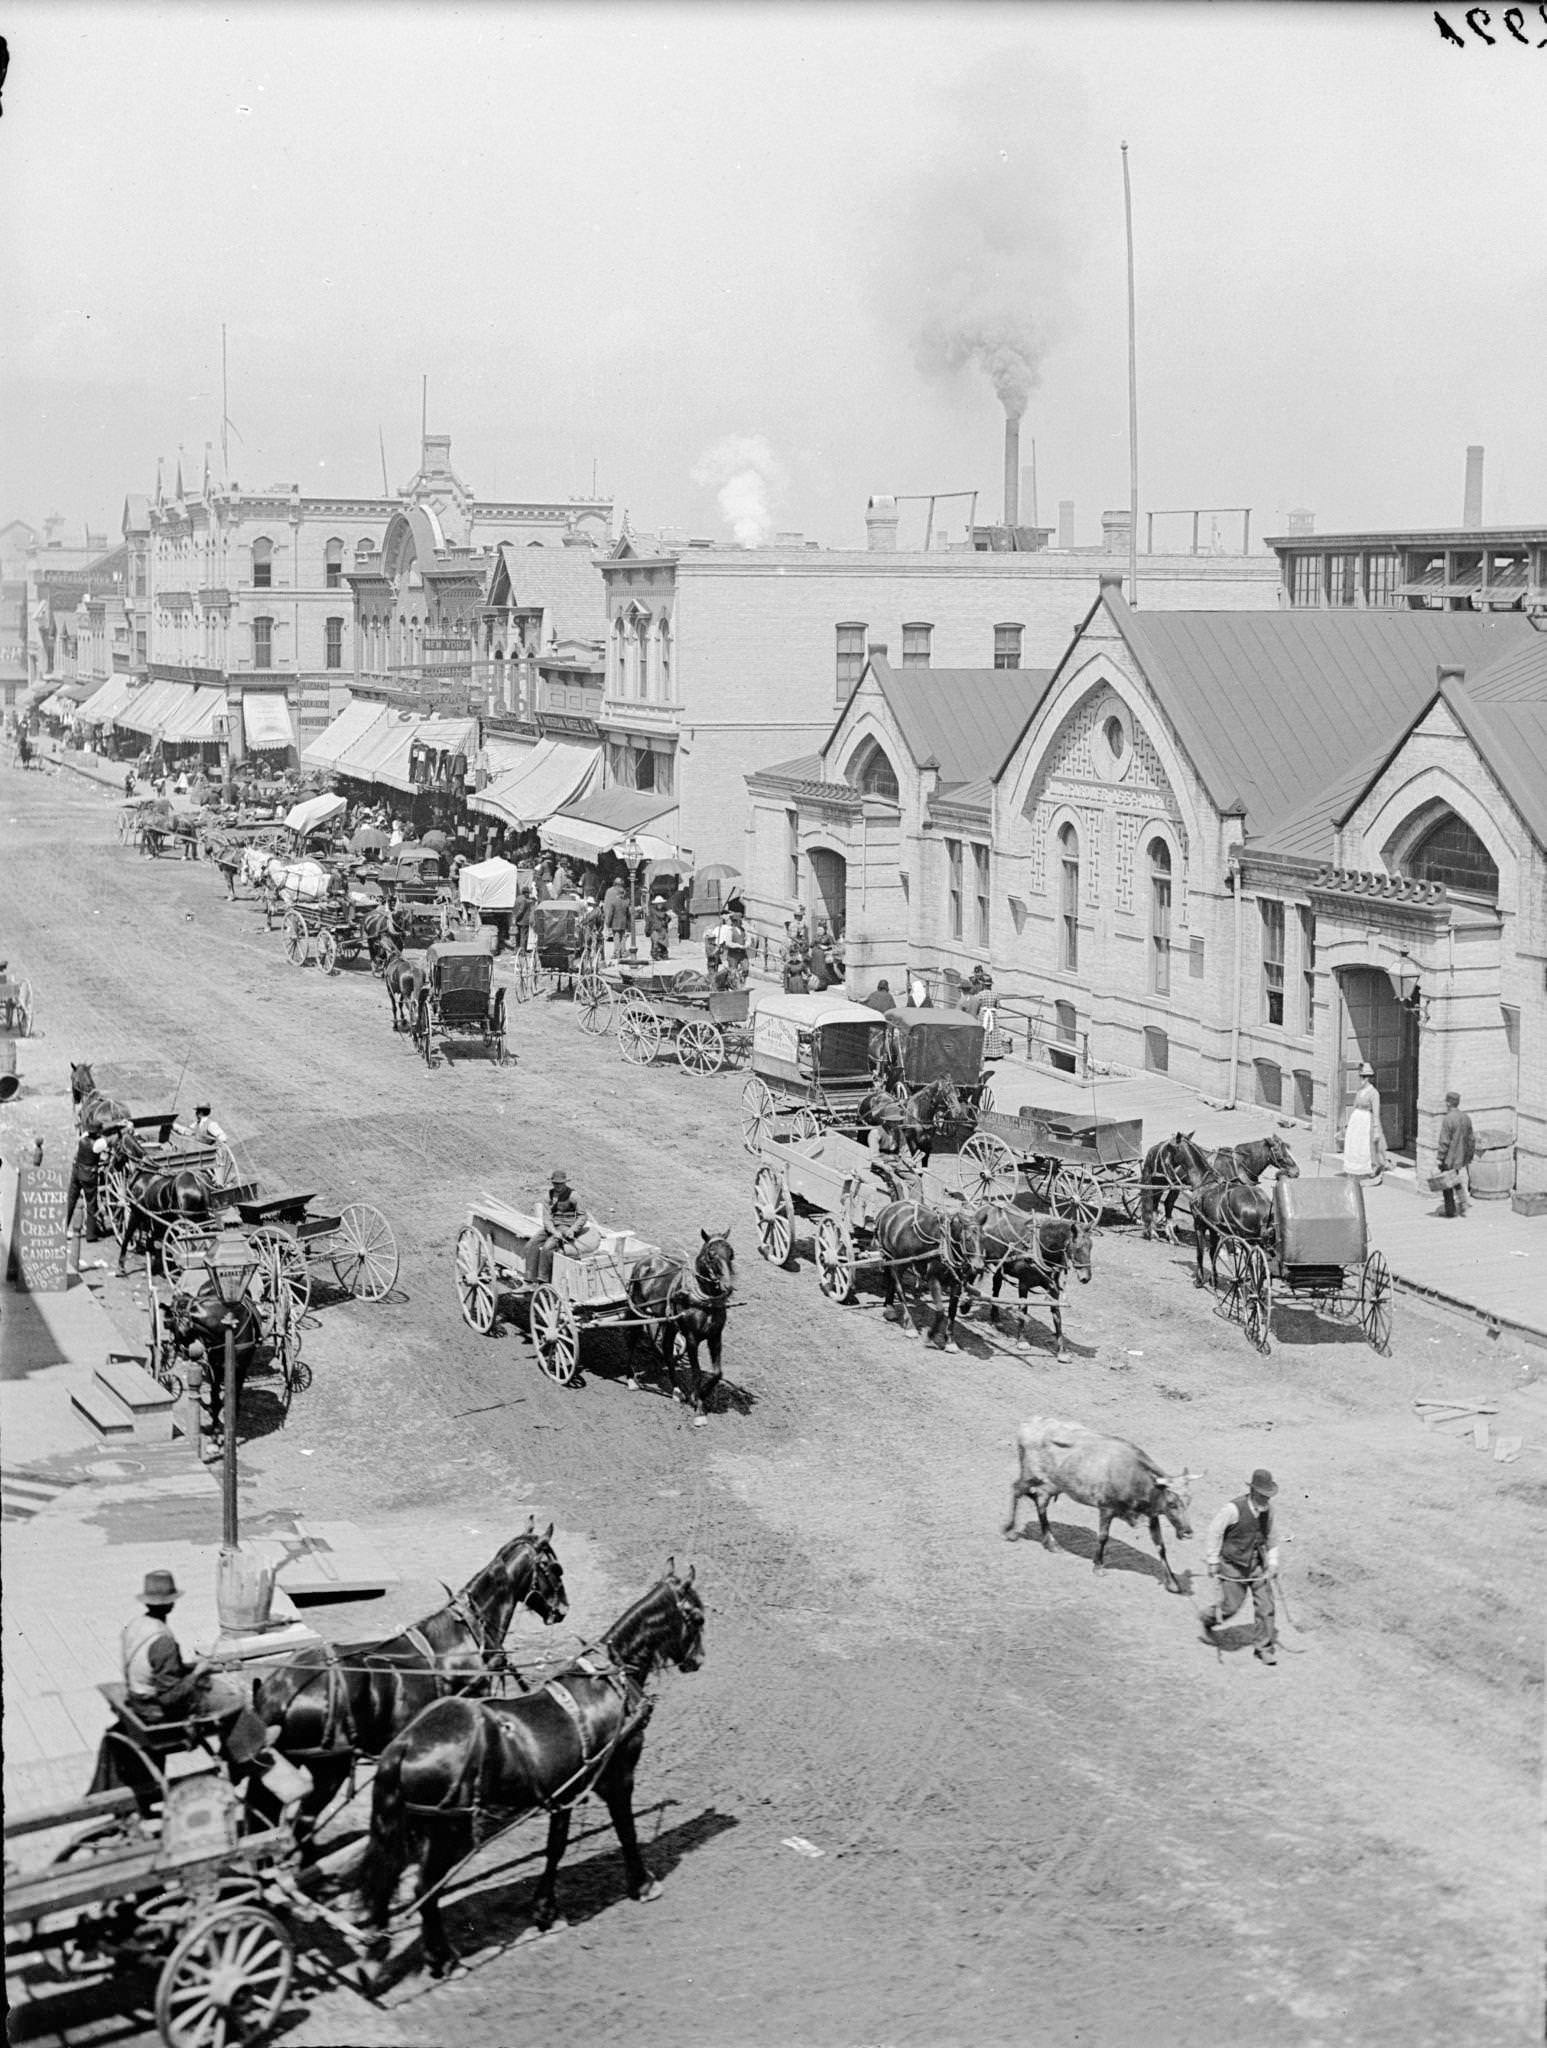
pixel 557 921
pixel 814 1038
pixel 491 885
pixel 1320 1222
pixel 316 812
pixel 935 1044
pixel 458 968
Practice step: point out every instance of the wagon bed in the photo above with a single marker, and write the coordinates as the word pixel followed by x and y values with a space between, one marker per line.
pixel 826 1176
pixel 1080 1166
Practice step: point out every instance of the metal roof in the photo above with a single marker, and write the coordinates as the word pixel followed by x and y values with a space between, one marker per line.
pixel 1519 676
pixel 964 720
pixel 1271 706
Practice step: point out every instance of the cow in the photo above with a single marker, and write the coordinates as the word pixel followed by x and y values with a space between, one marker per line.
pixel 1107 1473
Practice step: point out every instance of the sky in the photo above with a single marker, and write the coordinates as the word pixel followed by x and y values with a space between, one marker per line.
pixel 747 264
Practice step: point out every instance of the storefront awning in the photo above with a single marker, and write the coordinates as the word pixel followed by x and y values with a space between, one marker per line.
pixel 148 708
pixel 266 721
pixel 553 776
pixel 101 708
pixel 606 819
pixel 383 754
pixel 192 721
pixel 351 725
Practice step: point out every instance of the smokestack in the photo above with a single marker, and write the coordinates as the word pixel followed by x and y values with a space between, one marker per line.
pixel 881 517
pixel 1066 522
pixel 1472 510
pixel 1012 471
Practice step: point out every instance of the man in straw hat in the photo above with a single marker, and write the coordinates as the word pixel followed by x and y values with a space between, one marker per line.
pixel 1242 1555
pixel 160 1686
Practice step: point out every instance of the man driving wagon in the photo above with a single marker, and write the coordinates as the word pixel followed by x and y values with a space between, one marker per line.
pixel 564 1223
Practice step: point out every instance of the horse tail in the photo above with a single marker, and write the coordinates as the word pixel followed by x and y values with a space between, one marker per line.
pixel 387 1851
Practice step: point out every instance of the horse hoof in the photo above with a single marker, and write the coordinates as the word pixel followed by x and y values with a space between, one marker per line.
pixel 909 1334
pixel 699 1421
pixel 651 1891
pixel 950 1347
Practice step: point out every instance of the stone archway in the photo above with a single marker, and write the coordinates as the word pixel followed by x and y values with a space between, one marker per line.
pixel 1382 1030
pixel 830 880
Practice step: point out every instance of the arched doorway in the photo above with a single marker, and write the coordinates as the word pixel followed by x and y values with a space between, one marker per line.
pixel 1383 1031
pixel 830 875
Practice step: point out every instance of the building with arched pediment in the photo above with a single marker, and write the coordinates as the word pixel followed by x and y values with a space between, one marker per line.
pixel 1247 849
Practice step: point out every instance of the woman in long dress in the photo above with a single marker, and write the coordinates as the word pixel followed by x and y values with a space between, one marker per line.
pixel 1364 1142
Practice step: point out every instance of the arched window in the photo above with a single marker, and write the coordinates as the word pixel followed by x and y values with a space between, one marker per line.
pixel 620 659
pixel 1069 899
pixel 333 565
pixel 263 565
pixel 1451 852
pixel 872 773
pixel 663 659
pixel 642 653
pixel 1160 917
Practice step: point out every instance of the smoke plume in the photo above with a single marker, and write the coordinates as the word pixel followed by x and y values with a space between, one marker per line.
pixel 747 476
pixel 979 242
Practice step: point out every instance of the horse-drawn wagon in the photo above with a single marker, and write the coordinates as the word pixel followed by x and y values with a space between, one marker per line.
pixel 333 929
pixel 355 1242
pixel 813 1058
pixel 16 1004
pixel 705 1027
pixel 1076 1166
pixel 831 1180
pixel 459 999
pixel 1318 1251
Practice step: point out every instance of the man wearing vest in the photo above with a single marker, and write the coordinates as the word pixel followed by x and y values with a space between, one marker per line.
pixel 162 1687
pixel 563 1220
pixel 85 1178
pixel 1242 1554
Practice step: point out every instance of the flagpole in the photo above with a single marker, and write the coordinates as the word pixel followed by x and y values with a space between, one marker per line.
pixel 225 407
pixel 1133 404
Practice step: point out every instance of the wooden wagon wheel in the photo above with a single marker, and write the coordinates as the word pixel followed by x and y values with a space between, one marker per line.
pixel 986 1170
pixel 639 1033
pixel 423 1031
pixel 554 1334
pixel 22 1010
pixel 286 1340
pixel 163 1350
pixel 775 1216
pixel 184 1243
pixel 364 1253
pixel 521 974
pixel 835 1259
pixel 226 1980
pixel 757 1109
pixel 700 1048
pixel 1076 1194
pixel 1126 1194
pixel 1256 1297
pixel 113 1203
pixel 297 943
pixel 805 1123
pixel 1374 1306
pixel 477 1283
pixel 595 1001
pixel 327 951
pixel 283 1265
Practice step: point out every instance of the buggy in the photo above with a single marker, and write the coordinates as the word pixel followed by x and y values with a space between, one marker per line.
pixel 1320 1251
pixel 557 949
pixel 459 999
pixel 706 1028
pixel 1078 1166
pixel 937 1045
pixel 813 1057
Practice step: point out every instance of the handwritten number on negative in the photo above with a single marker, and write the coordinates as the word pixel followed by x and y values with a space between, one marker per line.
pixel 1479 20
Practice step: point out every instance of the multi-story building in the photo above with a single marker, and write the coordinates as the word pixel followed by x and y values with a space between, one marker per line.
pixel 1467 568
pixel 720 658
pixel 17 541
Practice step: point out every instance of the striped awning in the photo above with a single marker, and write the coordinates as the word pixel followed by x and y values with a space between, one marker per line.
pixel 555 773
pixel 266 722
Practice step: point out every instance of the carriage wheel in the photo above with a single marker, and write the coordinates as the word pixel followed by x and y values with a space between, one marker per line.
pixel 555 1334
pixel 775 1216
pixel 163 1351
pixel 805 1123
pixel 184 1244
pixel 757 1108
pixel 226 1980
pixel 365 1255
pixel 327 952
pixel 296 942
pixel 700 1048
pixel 1256 1296
pixel 835 1259
pixel 986 1170
pixel 423 1034
pixel 286 1341
pixel 477 1287
pixel 285 1262
pixel 1374 1308
pixel 521 975
pixel 985 1101
pixel 1076 1194
pixel 113 1200
pixel 223 1174
pixel 22 1010
pixel 639 1034
pixel 596 1004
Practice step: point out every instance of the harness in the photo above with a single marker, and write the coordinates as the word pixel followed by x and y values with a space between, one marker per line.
pixel 940 1247
pixel 1034 1252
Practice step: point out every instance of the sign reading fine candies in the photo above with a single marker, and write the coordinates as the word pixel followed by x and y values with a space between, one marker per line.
pixel 39 1258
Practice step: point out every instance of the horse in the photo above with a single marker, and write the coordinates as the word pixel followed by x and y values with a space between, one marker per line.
pixel 939 1250
pixel 94 1109
pixel 333 1703
pixel 383 936
pixel 467 1768
pixel 1035 1251
pixel 198 1326
pixel 912 1120
pixel 255 867
pixel 1230 1203
pixel 156 1201
pixel 404 984
pixel 1178 1166
pixel 687 1303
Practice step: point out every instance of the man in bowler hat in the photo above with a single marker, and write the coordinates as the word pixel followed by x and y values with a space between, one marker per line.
pixel 1242 1557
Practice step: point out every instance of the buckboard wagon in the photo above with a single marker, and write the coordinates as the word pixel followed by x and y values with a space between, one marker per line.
pixel 334 929
pixel 588 1290
pixel 1078 1166
pixel 1320 1253
pixel 828 1177
pixel 705 1027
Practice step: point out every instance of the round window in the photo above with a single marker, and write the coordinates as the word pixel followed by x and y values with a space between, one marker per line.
pixel 1116 738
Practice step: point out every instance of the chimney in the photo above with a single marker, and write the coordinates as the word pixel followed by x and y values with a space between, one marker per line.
pixel 881 518
pixel 1066 522
pixel 1012 472
pixel 1472 510
pixel 1446 674
pixel 1114 531
pixel 876 650
pixel 1300 523
pixel 1111 579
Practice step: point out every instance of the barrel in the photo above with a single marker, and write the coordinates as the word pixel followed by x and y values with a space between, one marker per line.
pixel 1491 1175
pixel 9 1084
pixel 244 1590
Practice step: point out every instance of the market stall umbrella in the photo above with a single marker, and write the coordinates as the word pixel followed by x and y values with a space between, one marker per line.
pixel 370 839
pixel 439 840
pixel 719 871
pixel 314 813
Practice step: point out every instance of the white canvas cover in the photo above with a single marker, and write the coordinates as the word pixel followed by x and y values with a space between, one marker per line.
pixel 491 885
pixel 315 812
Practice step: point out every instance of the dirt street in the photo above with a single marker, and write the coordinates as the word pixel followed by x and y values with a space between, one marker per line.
pixel 1045 1810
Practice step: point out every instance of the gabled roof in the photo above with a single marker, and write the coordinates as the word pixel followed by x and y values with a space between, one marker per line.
pixel 963 721
pixel 1271 706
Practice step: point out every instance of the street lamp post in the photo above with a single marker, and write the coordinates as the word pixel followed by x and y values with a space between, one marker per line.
pixel 633 855
pixel 231 1264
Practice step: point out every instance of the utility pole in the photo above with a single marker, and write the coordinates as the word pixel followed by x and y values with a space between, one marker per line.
pixel 1133 404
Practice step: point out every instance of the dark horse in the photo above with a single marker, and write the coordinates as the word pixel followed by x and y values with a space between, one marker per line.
pixel 156 1200
pixel 467 1768
pixel 383 936
pixel 198 1326
pixel 1230 1203
pixel 405 983
pixel 93 1109
pixel 924 1247
pixel 690 1303
pixel 1035 1251
pixel 334 1703
pixel 1175 1167
pixel 911 1121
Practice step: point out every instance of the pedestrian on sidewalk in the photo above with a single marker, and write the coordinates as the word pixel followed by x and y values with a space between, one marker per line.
pixel 615 908
pixel 160 1686
pixel 1364 1141
pixel 1242 1557
pixel 1457 1149
pixel 85 1175
pixel 658 925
